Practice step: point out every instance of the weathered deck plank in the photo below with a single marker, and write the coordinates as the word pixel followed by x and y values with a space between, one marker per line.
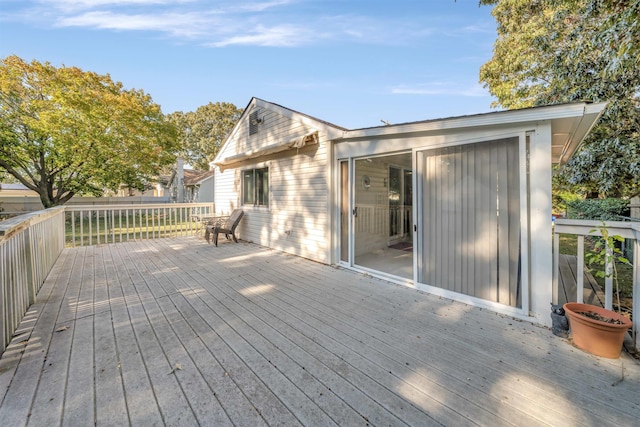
pixel 263 338
pixel 567 289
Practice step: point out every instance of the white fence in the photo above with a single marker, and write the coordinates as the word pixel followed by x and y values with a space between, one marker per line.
pixel 29 246
pixel 582 228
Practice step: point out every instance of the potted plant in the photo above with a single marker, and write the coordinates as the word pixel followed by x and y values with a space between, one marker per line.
pixel 595 329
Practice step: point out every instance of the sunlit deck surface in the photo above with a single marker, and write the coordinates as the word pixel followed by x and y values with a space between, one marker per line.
pixel 178 332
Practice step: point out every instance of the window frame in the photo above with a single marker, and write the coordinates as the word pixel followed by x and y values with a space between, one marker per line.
pixel 259 189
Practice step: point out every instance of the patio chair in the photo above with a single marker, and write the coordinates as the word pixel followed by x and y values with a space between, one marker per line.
pixel 228 228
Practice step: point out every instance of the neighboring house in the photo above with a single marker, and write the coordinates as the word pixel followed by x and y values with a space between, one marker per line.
pixel 459 207
pixel 188 185
pixel 16 190
pixel 155 190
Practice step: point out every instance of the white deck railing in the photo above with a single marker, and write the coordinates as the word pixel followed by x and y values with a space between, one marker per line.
pixel 94 225
pixel 29 246
pixel 31 243
pixel 582 228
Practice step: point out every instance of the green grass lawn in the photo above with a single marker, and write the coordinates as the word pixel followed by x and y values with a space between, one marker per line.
pixel 141 227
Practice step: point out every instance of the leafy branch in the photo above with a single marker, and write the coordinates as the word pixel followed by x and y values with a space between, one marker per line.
pixel 606 254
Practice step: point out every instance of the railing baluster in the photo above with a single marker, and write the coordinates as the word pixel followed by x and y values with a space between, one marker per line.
pixel 98 226
pixel 608 280
pixel 81 228
pixel 636 291
pixel 556 270
pixel 580 273
pixel 73 229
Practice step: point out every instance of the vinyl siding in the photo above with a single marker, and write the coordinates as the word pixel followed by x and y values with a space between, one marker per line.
pixel 296 220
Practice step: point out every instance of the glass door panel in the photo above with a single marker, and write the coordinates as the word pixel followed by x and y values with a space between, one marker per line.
pixel 345 215
pixel 381 237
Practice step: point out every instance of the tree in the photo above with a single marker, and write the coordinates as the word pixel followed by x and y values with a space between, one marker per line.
pixel 202 132
pixel 64 131
pixel 556 51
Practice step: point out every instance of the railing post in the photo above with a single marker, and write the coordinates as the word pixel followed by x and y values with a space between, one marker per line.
pixel 580 270
pixel 556 267
pixel 608 279
pixel 636 291
pixel 29 261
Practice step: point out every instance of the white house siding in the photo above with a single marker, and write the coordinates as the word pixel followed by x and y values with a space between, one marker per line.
pixel 297 218
pixel 206 191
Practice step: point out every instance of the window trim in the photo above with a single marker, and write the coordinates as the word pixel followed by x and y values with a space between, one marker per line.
pixel 254 184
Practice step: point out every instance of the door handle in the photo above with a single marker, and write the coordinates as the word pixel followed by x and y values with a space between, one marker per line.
pixel 355 211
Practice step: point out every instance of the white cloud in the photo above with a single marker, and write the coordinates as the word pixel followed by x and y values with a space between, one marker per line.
pixel 280 36
pixel 223 23
pixel 183 25
pixel 264 5
pixel 69 6
pixel 441 88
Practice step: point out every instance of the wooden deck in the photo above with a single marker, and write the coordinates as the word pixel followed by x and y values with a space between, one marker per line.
pixel 567 283
pixel 178 332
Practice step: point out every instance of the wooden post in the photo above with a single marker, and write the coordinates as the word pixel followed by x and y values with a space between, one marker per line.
pixel 634 204
pixel 580 270
pixel 636 292
pixel 608 281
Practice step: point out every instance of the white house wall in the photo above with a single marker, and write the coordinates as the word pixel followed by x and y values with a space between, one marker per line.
pixel 540 187
pixel 297 218
pixel 205 193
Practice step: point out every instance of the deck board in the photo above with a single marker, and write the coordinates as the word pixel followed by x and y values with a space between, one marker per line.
pixel 265 338
pixel 567 289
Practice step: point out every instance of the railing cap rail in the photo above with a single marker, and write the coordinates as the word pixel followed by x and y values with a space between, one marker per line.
pixel 628 230
pixel 123 206
pixel 11 226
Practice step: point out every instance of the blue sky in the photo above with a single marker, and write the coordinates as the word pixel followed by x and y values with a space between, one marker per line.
pixel 350 62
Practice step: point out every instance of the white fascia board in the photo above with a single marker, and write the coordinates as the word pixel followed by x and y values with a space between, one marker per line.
pixel 592 113
pixel 507 117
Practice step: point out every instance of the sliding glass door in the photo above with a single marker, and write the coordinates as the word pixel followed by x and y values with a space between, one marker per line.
pixel 469 220
pixel 382 236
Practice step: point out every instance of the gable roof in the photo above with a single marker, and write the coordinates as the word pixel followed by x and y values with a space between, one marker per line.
pixel 288 112
pixel 194 177
pixel 331 131
pixel 190 177
pixel 570 124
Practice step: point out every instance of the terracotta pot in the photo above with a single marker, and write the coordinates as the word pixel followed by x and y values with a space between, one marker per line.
pixel 595 336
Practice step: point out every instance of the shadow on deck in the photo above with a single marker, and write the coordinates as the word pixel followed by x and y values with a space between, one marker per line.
pixel 178 332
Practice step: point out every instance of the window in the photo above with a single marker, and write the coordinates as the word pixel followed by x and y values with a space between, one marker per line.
pixel 255 187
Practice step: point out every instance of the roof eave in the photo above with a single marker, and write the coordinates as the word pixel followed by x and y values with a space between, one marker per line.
pixel 497 118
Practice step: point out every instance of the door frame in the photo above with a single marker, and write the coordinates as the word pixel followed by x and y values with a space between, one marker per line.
pixel 524 141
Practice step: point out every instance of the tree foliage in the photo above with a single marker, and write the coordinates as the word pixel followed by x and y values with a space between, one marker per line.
pixel 556 51
pixel 201 133
pixel 65 131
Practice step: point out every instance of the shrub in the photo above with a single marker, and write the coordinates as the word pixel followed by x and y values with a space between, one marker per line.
pixel 598 209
